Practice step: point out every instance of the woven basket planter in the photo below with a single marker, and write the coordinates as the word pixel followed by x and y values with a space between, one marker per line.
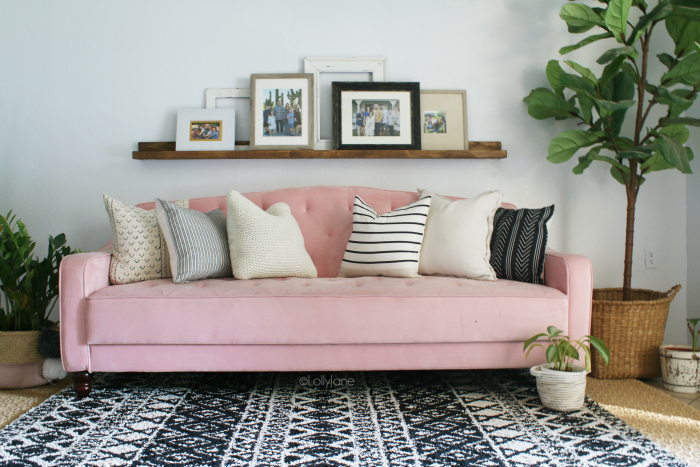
pixel 562 391
pixel 20 360
pixel 632 330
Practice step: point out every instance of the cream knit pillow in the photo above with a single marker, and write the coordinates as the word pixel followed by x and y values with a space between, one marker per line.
pixel 265 244
pixel 139 251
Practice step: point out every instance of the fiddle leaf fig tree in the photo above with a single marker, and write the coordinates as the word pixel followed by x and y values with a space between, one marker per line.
pixel 600 102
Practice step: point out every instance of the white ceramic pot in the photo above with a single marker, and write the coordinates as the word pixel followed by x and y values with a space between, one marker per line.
pixel 679 368
pixel 563 391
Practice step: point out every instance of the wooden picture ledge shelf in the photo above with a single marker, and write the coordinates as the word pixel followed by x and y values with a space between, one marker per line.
pixel 477 150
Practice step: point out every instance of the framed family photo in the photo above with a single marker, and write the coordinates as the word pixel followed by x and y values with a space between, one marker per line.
pixel 282 111
pixel 444 120
pixel 206 130
pixel 376 115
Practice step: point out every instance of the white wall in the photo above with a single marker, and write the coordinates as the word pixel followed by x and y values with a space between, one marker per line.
pixel 81 82
pixel 693 213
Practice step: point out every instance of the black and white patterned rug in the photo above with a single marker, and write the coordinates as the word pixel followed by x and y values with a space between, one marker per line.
pixel 430 418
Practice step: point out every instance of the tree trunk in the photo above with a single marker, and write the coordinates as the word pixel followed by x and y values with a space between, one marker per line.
pixel 629 241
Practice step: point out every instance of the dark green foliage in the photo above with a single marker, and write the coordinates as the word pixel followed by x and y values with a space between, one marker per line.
pixel 29 286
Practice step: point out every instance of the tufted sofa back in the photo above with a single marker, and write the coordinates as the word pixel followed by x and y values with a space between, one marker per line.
pixel 324 214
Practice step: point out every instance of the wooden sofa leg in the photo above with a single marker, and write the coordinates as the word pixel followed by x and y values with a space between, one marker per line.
pixel 82 381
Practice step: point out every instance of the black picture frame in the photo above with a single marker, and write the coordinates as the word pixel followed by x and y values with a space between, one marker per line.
pixel 415 126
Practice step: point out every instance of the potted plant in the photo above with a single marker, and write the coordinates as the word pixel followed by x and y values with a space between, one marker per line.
pixel 561 383
pixel 30 289
pixel 680 364
pixel 600 102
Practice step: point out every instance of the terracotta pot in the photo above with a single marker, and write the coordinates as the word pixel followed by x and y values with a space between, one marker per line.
pixel 563 391
pixel 680 367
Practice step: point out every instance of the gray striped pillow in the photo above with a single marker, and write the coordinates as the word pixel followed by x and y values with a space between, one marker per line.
pixel 197 242
pixel 387 245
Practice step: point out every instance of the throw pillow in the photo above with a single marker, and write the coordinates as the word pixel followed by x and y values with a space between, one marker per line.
pixel 386 245
pixel 265 243
pixel 519 242
pixel 197 242
pixel 139 251
pixel 458 236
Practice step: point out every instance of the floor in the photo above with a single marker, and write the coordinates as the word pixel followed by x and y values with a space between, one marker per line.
pixel 692 400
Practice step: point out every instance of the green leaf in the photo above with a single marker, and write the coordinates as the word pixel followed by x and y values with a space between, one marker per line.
pixel 578 84
pixel 611 54
pixel 686 71
pixel 681 121
pixel 687 9
pixel 564 146
pixel 534 346
pixel 616 18
pixel 664 96
pixel 584 42
pixel 662 10
pixel 633 155
pixel 674 153
pixel 606 108
pixel 583 71
pixel 553 331
pixel 629 70
pixel 586 104
pixel 611 70
pixel 578 16
pixel 554 72
pixel 616 173
pixel 684 33
pixel 655 163
pixel 677 132
pixel 600 346
pixel 543 103
pixel 551 353
pixel 584 162
pixel 533 339
pixel 667 60
pixel 570 351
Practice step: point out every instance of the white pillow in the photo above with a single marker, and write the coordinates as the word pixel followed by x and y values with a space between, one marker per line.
pixel 139 251
pixel 265 244
pixel 386 245
pixel 458 236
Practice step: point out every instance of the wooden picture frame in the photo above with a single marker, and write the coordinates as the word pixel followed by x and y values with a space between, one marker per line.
pixel 452 105
pixel 375 66
pixel 300 135
pixel 400 99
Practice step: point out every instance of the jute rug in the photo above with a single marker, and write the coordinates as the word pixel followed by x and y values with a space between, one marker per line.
pixel 668 421
pixel 439 418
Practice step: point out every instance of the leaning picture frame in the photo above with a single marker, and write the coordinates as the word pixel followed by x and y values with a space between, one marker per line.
pixel 437 107
pixel 282 111
pixel 376 115
pixel 375 66
pixel 206 130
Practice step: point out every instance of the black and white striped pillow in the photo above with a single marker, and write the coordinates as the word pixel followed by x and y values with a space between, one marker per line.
pixel 197 242
pixel 519 242
pixel 387 245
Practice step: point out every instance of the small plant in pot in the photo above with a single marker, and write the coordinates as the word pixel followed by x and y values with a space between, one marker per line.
pixel 561 383
pixel 680 364
pixel 29 288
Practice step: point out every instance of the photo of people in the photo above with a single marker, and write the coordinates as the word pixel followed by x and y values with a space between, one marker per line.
pixel 282 112
pixel 376 118
pixel 205 131
pixel 434 121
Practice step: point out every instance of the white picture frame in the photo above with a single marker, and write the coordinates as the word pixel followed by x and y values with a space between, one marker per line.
pixel 222 121
pixel 375 66
pixel 214 93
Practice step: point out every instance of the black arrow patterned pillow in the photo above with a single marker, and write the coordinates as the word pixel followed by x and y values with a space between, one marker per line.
pixel 518 243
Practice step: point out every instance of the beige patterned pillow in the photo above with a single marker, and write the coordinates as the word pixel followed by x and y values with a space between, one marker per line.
pixel 139 252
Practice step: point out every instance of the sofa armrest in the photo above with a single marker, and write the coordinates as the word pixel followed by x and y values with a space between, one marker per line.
pixel 79 276
pixel 573 276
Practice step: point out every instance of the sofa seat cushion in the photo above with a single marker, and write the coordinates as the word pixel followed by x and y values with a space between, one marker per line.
pixel 363 310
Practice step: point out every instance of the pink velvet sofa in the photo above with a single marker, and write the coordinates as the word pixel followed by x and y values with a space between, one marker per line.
pixel 323 324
